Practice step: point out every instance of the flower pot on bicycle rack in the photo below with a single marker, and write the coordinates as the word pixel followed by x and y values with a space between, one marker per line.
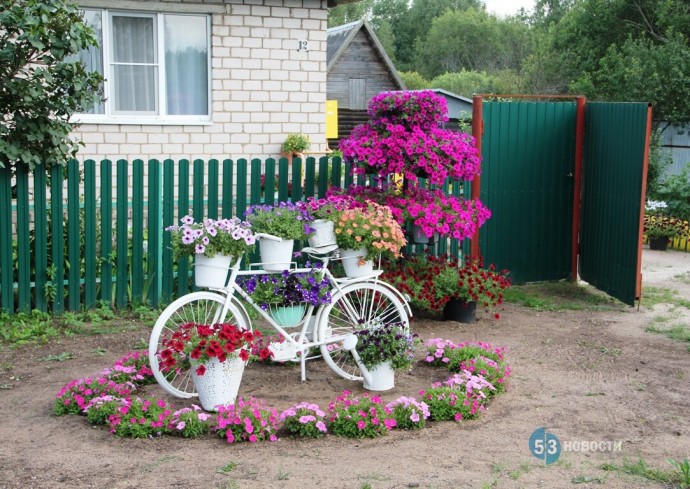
pixel 276 256
pixel 211 272
pixel 324 235
pixel 355 264
pixel 220 383
pixel 288 316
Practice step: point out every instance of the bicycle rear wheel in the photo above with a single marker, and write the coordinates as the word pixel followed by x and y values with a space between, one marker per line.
pixel 198 308
pixel 357 306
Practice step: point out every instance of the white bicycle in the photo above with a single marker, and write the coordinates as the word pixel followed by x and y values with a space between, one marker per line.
pixel 356 304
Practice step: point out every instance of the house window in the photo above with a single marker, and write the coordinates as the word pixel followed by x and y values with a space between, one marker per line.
pixel 156 67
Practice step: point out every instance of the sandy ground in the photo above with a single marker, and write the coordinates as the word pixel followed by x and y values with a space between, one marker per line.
pixel 583 375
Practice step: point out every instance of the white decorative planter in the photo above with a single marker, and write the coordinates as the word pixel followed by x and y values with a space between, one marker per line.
pixel 351 263
pixel 419 237
pixel 211 272
pixel 276 256
pixel 382 377
pixel 324 235
pixel 220 383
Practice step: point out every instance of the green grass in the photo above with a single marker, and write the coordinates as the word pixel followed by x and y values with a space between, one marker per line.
pixel 640 469
pixel 559 296
pixel 40 327
pixel 652 296
pixel 679 332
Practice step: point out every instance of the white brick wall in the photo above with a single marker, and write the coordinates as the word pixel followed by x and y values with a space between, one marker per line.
pixel 263 89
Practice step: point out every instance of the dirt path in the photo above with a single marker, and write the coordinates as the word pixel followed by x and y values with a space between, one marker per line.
pixel 585 376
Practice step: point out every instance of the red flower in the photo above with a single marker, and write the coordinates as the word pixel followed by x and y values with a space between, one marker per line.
pixel 201 370
pixel 244 356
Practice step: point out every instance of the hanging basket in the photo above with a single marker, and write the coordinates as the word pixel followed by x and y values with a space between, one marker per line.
pixel 382 377
pixel 355 264
pixel 220 383
pixel 211 272
pixel 276 256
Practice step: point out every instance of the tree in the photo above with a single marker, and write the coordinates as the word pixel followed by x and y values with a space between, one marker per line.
pixel 349 12
pixel 42 83
pixel 458 40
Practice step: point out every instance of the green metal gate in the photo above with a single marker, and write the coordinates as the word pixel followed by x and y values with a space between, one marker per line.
pixel 534 159
pixel 614 176
pixel 527 181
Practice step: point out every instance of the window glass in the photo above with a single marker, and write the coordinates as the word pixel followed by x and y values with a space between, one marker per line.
pixel 93 57
pixel 186 64
pixel 133 68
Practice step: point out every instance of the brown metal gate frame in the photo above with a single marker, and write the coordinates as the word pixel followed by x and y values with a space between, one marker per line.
pixel 581 101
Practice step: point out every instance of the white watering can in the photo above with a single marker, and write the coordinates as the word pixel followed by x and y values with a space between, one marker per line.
pixel 349 343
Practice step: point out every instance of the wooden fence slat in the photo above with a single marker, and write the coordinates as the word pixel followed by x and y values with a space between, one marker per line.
pixel 228 187
pixel 6 261
pixel 154 250
pixel 212 189
pixel 23 238
pixel 106 231
pixel 122 233
pixel 58 251
pixel 168 220
pixel 74 236
pixel 183 209
pixel 40 239
pixel 137 262
pixel 90 234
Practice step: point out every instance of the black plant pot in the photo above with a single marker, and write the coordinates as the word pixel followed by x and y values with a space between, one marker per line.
pixel 460 311
pixel 660 244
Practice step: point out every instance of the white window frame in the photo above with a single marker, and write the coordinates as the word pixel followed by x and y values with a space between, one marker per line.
pixel 146 118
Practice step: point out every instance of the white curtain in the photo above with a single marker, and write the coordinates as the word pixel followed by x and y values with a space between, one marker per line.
pixel 134 67
pixel 186 64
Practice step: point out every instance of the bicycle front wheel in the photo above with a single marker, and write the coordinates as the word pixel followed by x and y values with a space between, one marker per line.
pixel 198 308
pixel 357 306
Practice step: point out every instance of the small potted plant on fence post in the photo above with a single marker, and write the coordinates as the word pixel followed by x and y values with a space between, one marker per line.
pixel 214 244
pixel 383 350
pixel 295 145
pixel 367 233
pixel 217 354
pixel 285 220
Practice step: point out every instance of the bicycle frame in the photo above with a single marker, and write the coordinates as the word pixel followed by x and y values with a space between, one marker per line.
pixel 301 344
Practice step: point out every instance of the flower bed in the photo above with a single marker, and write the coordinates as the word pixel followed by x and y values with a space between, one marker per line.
pixel 117 404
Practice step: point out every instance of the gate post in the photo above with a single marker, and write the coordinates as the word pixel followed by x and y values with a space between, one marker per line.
pixel 577 187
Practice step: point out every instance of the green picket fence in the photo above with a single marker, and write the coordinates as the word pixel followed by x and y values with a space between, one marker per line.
pixel 108 244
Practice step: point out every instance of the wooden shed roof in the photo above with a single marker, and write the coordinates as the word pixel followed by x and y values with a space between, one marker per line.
pixel 340 37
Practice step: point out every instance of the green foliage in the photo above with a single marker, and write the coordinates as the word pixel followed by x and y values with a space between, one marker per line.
pixel 41 82
pixel 682 472
pixel 295 143
pixel 675 191
pixel 25 327
pixel 659 160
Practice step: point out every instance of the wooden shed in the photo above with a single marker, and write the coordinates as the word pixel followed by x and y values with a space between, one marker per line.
pixel 358 68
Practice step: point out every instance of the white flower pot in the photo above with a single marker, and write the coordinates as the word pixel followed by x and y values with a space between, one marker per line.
pixel 324 235
pixel 220 383
pixel 419 237
pixel 382 377
pixel 276 256
pixel 211 272
pixel 351 263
